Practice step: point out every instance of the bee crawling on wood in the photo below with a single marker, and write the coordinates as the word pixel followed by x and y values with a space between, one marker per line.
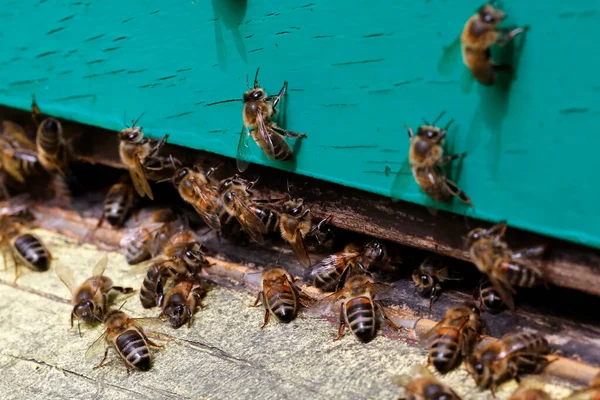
pixel 90 298
pixel 479 34
pixel 504 268
pixel 279 296
pixel 128 337
pixel 257 113
pixel 147 240
pixel 54 151
pixel 181 301
pixel 358 304
pixel 430 276
pixel 422 385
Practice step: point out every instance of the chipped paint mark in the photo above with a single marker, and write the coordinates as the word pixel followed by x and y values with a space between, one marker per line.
pixel 65 72
pixel 443 82
pixel 137 71
pixel 116 71
pixel 283 33
pixel 53 31
pixel 165 78
pixel 375 173
pixel 255 50
pixel 249 36
pixel 180 115
pixel 77 3
pixel 154 12
pixel 67 18
pixel 272 15
pixel 357 62
pixel 90 39
pixel 98 61
pixel 120 38
pixel 217 131
pixel 150 85
pixel 323 36
pixel 307 5
pixel 108 49
pixel 199 102
pixel 383 162
pixel 127 20
pixel 295 90
pixel 75 97
pixel 380 91
pixel 72 51
pixel 567 14
pixel 408 82
pixel 46 54
pixel 223 101
pixel 574 110
pixel 389 151
pixel 184 69
pixel 373 35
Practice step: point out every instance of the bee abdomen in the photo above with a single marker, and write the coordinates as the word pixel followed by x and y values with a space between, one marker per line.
pixel 136 252
pixel 283 304
pixel 151 286
pixel 281 150
pixel 134 349
pixel 48 137
pixel 521 275
pixel 327 280
pixel 444 352
pixel 33 252
pixel 491 298
pixel 361 318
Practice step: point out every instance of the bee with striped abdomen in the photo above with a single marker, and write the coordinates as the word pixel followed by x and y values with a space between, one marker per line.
pixel 279 296
pixel 509 357
pixel 454 337
pixel 331 272
pixel 146 241
pixel 257 113
pixel 479 34
pixel 422 385
pixel 489 298
pixel 128 337
pixel 53 150
pixel 89 298
pixel 181 301
pixel 504 268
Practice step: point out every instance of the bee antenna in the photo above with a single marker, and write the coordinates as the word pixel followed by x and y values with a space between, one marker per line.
pixel 278 257
pixel 125 118
pixel 256 78
pixel 98 318
pixel 435 121
pixel 247 84
pixel 122 305
pixel 172 161
pixel 138 119
pixel 164 180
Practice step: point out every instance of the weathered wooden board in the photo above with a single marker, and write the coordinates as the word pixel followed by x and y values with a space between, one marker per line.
pixel 356 71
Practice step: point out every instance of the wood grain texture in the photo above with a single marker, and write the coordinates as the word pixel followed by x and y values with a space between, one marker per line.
pixel 356 73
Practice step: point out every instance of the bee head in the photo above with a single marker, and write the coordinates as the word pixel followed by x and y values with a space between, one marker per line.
pixel 177 314
pixel 479 367
pixel 131 135
pixel 275 275
pixel 254 95
pixel 475 235
pixel 357 284
pixel 180 175
pixel 294 207
pixel 50 125
pixel 436 391
pixel 375 251
pixel 424 282
pixel 84 311
pixel 194 257
pixel 491 15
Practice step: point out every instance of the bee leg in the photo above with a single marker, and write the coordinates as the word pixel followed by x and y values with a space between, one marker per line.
pixel 258 298
pixel 211 170
pixel 153 344
pixel 126 366
pixel 445 160
pixel 278 97
pixel 266 321
pixel 508 35
pixel 342 326
pixel 455 191
pixel 103 359
pixel 124 290
pixel 78 326
pixel 158 145
pixel 391 323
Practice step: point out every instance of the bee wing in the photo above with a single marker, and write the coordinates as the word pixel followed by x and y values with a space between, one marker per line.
pixel 139 233
pixel 504 290
pixel 97 348
pixel 403 179
pixel 426 339
pixel 450 57
pixel 207 196
pixel 242 150
pixel 330 262
pixel 327 305
pixel 100 266
pixel 300 250
pixel 264 132
pixel 149 323
pixel 138 177
pixel 253 226
pixel 65 274
pixel 16 134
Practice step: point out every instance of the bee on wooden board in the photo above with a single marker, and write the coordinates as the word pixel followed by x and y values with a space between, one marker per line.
pixel 257 113
pixel 592 392
pixel 18 154
pixel 427 160
pixel 504 268
pixel 181 301
pixel 181 257
pixel 454 337
pixel 525 393
pixel 430 276
pixel 53 150
pixel 332 271
pixel 422 385
pixel 489 298
pixel 147 240
pixel 509 357
pixel 479 34
pixel 128 337
pixel 358 304
pixel 90 298
pixel 138 153
pixel 279 296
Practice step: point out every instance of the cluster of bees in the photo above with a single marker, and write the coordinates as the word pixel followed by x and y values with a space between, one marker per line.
pixel 175 259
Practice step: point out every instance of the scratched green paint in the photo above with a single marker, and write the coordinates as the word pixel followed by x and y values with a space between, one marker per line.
pixel 357 71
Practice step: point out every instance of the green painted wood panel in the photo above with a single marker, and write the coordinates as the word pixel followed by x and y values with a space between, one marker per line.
pixel 357 71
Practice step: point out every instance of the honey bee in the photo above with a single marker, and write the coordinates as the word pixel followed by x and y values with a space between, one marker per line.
pixel 454 337
pixel 138 153
pixel 89 298
pixel 358 307
pixel 53 150
pixel 279 296
pixel 25 248
pixel 128 337
pixel 490 298
pixel 479 34
pixel 118 203
pixel 195 188
pixel 504 268
pixel 592 392
pixel 181 301
pixel 237 201
pixel 147 240
pixel 331 273
pixel 525 393
pixel 15 137
pixel 422 385
pixel 182 257
pixel 257 113
pixel 426 158
pixel 19 163
pixel 429 277
pixel 509 357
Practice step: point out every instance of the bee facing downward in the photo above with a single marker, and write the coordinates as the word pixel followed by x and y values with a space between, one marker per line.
pixel 426 157
pixel 137 153
pixel 258 110
pixel 479 34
